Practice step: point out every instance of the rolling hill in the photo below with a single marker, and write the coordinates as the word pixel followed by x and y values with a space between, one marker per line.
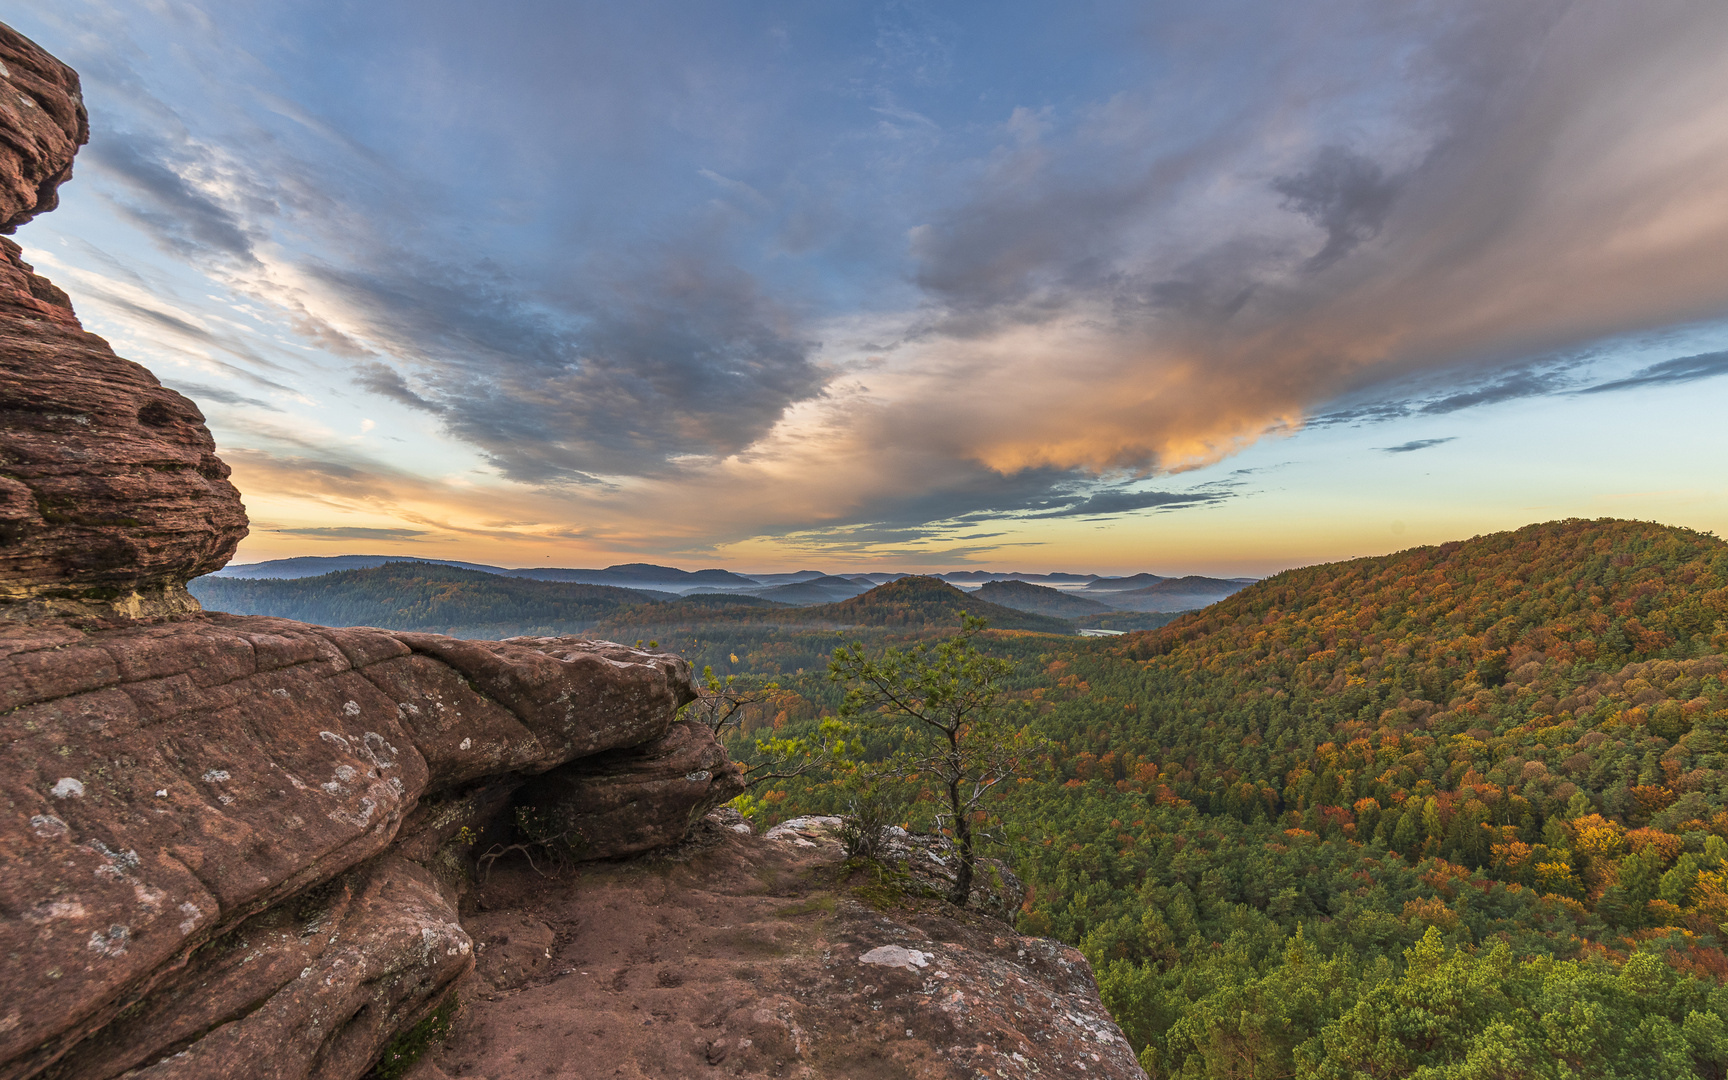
pixel 1123 584
pixel 826 589
pixel 1025 596
pixel 1173 594
pixel 304 566
pixel 929 602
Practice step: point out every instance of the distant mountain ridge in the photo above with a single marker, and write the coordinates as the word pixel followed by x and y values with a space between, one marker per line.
pixel 475 603
pixel 630 574
pixel 1173 594
pixel 1057 595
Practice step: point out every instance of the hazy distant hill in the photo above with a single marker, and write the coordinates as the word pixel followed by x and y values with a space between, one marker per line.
pixel 970 576
pixel 425 596
pixel 1123 584
pixel 1174 594
pixel 304 566
pixel 1025 596
pixel 471 603
pixel 823 590
pixel 623 575
pixel 927 601
pixel 632 575
pixel 787 579
pixel 909 602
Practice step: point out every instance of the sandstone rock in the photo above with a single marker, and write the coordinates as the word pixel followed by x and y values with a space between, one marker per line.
pixel 806 831
pixel 42 124
pixel 111 493
pixel 633 800
pixel 928 859
pixel 310 989
pixel 168 781
pixel 510 948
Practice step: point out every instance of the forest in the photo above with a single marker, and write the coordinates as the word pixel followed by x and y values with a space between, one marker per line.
pixel 1460 811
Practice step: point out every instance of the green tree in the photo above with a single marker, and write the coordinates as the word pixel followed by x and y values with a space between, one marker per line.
pixel 939 707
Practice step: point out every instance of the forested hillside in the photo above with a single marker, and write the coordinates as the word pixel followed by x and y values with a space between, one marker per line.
pixel 1462 808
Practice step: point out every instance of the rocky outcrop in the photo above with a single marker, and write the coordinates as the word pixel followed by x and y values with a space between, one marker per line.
pixel 172 781
pixel 42 124
pixel 111 493
pixel 739 956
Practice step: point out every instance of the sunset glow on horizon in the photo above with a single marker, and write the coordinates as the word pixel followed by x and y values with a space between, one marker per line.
pixel 1187 288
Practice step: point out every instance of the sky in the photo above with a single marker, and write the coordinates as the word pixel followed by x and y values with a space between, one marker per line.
pixel 1199 286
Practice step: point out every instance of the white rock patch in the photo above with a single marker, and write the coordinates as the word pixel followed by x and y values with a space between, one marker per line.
pixel 897 956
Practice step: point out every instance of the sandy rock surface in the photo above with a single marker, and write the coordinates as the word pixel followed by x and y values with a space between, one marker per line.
pixel 739 956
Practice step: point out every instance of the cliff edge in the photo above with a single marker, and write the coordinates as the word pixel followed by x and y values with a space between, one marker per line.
pixel 735 955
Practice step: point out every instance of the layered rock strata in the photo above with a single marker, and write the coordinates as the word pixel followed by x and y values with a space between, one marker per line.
pixel 42 125
pixel 111 493
pixel 632 800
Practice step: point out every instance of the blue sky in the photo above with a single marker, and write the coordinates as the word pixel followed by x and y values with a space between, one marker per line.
pixel 1189 287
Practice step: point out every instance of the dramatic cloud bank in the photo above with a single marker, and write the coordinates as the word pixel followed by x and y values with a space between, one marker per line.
pixel 680 277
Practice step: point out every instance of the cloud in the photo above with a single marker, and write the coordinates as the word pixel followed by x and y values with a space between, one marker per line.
pixel 616 373
pixel 1119 502
pixel 165 199
pixel 352 532
pixel 1520 384
pixel 1679 370
pixel 1416 444
pixel 201 392
pixel 1035 308
pixel 1344 193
